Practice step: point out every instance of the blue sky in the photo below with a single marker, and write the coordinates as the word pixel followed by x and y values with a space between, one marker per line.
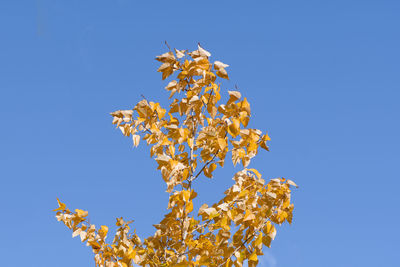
pixel 322 78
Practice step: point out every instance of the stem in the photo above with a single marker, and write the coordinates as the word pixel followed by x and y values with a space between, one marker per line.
pixel 205 165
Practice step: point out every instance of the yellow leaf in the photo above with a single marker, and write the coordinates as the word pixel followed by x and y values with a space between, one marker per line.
pixel 264 145
pixel 208 171
pixel 61 206
pixel 222 73
pixel 243 193
pixel 212 167
pixel 224 224
pixel 211 212
pixel 81 213
pixel 160 112
pixel 255 172
pixel 268 228
pixel 103 231
pixel 131 253
pixel 233 96
pixel 136 139
pixel 171 85
pixel 266 138
pixel 83 235
pixel 244 118
pixel 234 127
pixel 171 150
pixel 94 244
pixel 219 65
pixel 267 241
pixel 166 57
pixel 76 232
pixel 203 52
pixel 180 53
pixel 273 195
pixel 186 195
pixel 292 183
pixel 190 142
pixel 119 222
pixel 253 256
pixel 189 207
pixel 245 105
pixel 258 241
pixel 249 216
pixel 222 143
pixel 272 233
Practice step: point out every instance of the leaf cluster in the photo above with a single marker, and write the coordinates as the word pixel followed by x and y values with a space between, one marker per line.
pixel 188 140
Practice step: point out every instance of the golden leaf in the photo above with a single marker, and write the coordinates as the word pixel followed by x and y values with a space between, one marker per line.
pixel 103 231
pixel 233 96
pixel 222 73
pixel 219 65
pixel 234 127
pixel 81 213
pixel 249 216
pixel 267 241
pixel 131 253
pixel 61 206
pixel 255 172
pixel 136 139
pixel 166 57
pixel 253 257
pixel 189 207
pixel 292 183
pixel 179 53
pixel 258 240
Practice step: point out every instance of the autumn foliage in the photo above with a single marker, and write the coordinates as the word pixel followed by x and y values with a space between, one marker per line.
pixel 188 140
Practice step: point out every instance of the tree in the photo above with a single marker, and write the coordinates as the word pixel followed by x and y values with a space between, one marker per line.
pixel 188 141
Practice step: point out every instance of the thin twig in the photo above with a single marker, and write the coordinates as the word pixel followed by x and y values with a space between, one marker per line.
pixel 205 165
pixel 166 43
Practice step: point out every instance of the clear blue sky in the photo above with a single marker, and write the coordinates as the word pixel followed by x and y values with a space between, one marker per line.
pixel 322 78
